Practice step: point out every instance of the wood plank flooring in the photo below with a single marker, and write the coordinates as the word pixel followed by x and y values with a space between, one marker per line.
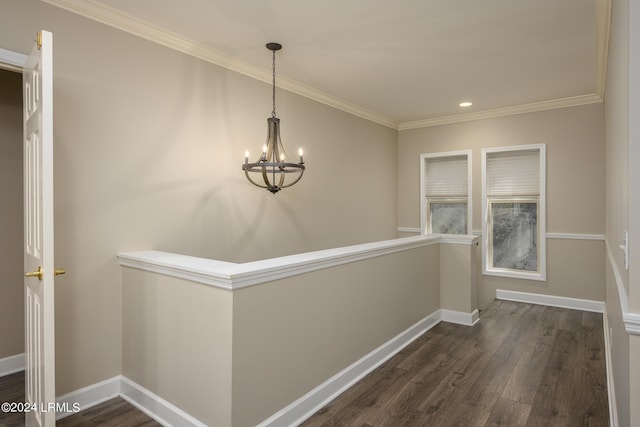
pixel 521 365
pixel 12 390
pixel 114 412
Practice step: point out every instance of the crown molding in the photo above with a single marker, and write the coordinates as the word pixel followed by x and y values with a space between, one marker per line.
pixel 506 111
pixel 143 29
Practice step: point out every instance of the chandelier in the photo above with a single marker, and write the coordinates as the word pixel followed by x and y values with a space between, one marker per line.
pixel 273 170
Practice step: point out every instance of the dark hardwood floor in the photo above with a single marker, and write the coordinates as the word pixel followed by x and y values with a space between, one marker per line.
pixel 12 390
pixel 521 365
pixel 114 412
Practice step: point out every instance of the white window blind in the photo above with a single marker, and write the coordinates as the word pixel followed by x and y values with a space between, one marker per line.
pixel 446 176
pixel 513 173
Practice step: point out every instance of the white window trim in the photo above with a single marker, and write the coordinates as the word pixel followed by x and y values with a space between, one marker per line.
pixel 423 191
pixel 541 275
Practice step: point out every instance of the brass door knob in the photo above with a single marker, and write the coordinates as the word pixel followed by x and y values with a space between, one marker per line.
pixel 39 273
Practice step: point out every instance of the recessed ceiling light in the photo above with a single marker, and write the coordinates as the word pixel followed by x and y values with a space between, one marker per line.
pixel 466 104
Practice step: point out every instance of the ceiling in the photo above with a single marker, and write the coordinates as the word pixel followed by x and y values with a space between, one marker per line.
pixel 404 64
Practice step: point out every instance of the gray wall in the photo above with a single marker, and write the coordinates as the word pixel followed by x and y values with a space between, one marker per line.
pixel 574 138
pixel 623 203
pixel 148 148
pixel 11 283
pixel 255 350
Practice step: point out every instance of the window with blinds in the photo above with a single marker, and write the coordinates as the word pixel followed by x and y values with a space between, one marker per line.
pixel 446 193
pixel 513 173
pixel 513 202
pixel 446 176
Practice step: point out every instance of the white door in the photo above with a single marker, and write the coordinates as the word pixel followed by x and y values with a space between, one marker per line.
pixel 38 240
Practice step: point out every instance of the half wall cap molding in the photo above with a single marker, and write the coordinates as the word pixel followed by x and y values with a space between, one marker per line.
pixel 631 322
pixel 232 276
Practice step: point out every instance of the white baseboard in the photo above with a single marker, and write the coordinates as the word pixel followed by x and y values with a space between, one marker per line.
pixel 460 317
pixel 156 407
pixel 168 414
pixel 151 404
pixel 307 405
pixel 11 365
pixel 611 389
pixel 551 300
pixel 86 397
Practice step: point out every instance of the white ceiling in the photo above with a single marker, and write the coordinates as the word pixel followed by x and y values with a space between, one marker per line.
pixel 395 62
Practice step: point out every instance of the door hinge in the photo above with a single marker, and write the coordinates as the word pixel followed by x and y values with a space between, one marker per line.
pixel 39 40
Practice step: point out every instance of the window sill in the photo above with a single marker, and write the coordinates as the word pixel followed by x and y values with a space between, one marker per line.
pixel 537 276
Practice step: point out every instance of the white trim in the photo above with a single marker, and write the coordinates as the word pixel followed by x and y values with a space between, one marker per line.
pixel 409 230
pixel 127 23
pixel 143 29
pixel 12 60
pixel 553 104
pixel 460 317
pixel 457 239
pixel 233 276
pixel 611 389
pixel 11 364
pixel 575 236
pixel 514 274
pixel 541 275
pixel 551 300
pixel 151 404
pixel 168 414
pixel 302 408
pixel 156 407
pixel 631 323
pixel 568 236
pixel 631 320
pixel 87 397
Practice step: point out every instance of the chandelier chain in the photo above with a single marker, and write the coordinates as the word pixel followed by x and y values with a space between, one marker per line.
pixel 273 113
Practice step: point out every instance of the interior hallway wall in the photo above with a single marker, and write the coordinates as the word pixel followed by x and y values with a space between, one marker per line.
pixel 622 104
pixel 149 144
pixel 11 282
pixel 574 139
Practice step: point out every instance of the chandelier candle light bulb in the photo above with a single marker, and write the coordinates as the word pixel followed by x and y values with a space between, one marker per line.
pixel 272 171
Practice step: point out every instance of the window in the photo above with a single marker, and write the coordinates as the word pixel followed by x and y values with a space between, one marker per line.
pixel 445 192
pixel 513 199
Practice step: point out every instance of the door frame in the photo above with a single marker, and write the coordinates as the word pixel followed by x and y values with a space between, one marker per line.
pixel 14 61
